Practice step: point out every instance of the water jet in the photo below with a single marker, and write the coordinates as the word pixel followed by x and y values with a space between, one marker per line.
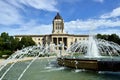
pixel 93 58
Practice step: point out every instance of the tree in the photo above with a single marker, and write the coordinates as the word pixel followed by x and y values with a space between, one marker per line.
pixel 5 36
pixel 6 40
pixel 16 43
pixel 113 37
pixel 8 44
pixel 1 44
pixel 99 36
pixel 13 43
pixel 5 44
pixel 26 41
pixel 102 36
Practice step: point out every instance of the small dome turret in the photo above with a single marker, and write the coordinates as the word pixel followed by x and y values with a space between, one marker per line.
pixel 58 16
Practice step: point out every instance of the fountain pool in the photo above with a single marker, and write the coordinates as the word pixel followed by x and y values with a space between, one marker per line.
pixel 99 55
pixel 41 69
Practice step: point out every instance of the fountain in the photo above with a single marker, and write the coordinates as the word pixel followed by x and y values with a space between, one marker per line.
pixel 92 54
pixel 20 55
pixel 99 55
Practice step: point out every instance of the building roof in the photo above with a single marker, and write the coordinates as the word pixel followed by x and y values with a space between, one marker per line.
pixel 29 35
pixel 53 35
pixel 58 16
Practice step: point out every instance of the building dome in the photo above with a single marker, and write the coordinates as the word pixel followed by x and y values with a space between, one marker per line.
pixel 58 16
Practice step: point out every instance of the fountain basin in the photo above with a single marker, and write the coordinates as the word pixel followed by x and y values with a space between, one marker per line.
pixel 90 64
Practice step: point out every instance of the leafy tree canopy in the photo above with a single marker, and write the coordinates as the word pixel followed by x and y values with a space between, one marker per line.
pixel 9 44
pixel 113 37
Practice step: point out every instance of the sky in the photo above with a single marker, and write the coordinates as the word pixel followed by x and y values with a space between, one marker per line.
pixel 26 17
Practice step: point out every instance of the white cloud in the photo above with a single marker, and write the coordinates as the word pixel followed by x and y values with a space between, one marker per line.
pixel 92 24
pixel 31 27
pixel 10 9
pixel 114 13
pixel 48 5
pixel 69 1
pixel 8 14
pixel 109 31
pixel 14 3
pixel 100 1
pixel 33 30
pixel 73 27
pixel 80 26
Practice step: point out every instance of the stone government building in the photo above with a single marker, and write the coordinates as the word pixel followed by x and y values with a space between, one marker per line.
pixel 57 35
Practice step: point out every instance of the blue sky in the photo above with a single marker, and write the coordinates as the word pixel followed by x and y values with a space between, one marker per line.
pixel 80 16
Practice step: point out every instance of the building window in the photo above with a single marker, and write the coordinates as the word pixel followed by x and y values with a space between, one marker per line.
pixel 38 38
pixel 56 24
pixel 39 43
pixel 87 38
pixel 56 27
pixel 83 38
pixel 76 40
pixel 60 28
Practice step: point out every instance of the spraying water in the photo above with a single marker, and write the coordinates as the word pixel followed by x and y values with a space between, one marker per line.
pixel 90 48
pixel 95 48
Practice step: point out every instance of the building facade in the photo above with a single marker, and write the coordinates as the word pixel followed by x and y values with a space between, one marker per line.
pixel 58 35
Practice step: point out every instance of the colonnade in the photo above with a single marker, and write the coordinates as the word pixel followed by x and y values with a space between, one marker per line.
pixel 59 41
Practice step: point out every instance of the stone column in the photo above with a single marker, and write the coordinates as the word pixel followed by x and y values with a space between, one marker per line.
pixel 52 40
pixel 57 43
pixel 63 44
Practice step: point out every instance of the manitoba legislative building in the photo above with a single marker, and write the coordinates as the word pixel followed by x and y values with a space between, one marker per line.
pixel 58 35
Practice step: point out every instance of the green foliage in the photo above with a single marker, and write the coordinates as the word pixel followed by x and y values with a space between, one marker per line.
pixel 1 43
pixel 26 41
pixel 9 44
pixel 5 52
pixel 113 37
